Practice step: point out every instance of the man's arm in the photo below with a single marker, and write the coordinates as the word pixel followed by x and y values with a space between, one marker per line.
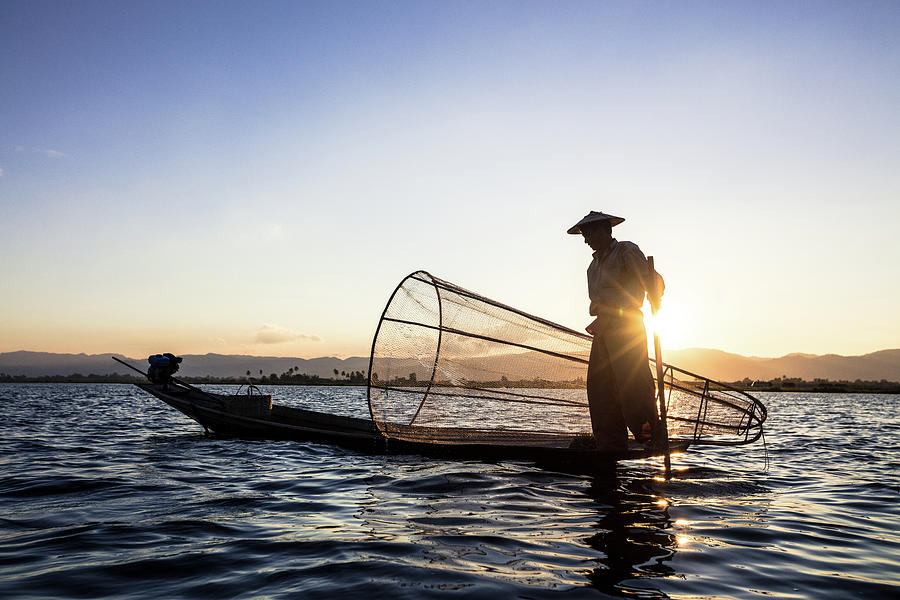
pixel 652 283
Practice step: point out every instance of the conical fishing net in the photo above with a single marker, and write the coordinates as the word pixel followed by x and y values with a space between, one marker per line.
pixel 449 366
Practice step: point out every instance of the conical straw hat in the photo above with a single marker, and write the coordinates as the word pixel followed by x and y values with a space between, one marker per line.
pixel 593 216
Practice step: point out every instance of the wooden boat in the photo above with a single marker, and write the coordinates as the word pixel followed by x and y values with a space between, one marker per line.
pixel 453 374
pixel 256 417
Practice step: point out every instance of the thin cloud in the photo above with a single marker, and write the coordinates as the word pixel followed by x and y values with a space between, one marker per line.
pixel 274 232
pixel 1 172
pixel 48 152
pixel 274 334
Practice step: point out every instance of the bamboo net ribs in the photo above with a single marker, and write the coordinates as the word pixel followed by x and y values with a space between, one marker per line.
pixel 449 366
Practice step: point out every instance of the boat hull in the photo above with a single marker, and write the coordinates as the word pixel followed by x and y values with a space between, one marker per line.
pixel 284 423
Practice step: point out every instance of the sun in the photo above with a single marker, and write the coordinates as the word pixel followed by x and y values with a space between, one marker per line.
pixel 669 323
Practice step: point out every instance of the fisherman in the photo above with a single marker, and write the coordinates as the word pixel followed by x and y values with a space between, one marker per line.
pixel 619 383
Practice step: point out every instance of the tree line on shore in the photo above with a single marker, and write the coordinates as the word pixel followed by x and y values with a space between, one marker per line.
pixel 294 377
pixel 795 384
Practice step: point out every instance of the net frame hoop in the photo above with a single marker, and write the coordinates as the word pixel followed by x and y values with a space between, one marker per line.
pixel 753 420
pixel 378 330
pixel 375 341
pixel 705 396
pixel 758 412
pixel 755 414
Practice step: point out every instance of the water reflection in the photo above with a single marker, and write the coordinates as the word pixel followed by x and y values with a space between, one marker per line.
pixel 447 524
pixel 633 536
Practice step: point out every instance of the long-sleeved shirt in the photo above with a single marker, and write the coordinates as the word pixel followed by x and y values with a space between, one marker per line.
pixel 618 278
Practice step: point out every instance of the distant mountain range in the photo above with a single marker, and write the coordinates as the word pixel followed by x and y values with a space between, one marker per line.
pixel 722 366
pixel 716 364
pixel 37 364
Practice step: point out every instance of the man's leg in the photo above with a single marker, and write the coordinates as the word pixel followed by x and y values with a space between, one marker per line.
pixel 627 346
pixel 606 411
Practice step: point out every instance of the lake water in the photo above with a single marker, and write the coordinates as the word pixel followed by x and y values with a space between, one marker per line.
pixel 105 492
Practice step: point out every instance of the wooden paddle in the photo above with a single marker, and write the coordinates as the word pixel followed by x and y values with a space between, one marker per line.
pixel 655 299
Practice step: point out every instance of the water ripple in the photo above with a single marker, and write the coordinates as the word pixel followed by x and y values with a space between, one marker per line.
pixel 107 493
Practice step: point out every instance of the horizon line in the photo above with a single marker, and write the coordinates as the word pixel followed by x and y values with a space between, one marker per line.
pixel 366 356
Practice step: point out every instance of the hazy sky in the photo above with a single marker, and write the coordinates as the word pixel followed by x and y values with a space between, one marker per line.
pixel 257 177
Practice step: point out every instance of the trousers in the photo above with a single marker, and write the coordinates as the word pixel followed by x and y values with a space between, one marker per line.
pixel 620 388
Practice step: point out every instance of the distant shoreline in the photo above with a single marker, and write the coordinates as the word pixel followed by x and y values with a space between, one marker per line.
pixel 116 378
pixel 829 387
pixel 821 386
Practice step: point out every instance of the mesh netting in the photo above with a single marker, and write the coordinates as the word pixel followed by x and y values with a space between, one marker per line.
pixel 450 366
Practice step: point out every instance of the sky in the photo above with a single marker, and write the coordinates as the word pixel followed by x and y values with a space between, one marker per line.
pixel 256 178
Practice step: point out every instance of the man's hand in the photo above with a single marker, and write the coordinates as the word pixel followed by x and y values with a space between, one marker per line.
pixel 597 326
pixel 655 290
